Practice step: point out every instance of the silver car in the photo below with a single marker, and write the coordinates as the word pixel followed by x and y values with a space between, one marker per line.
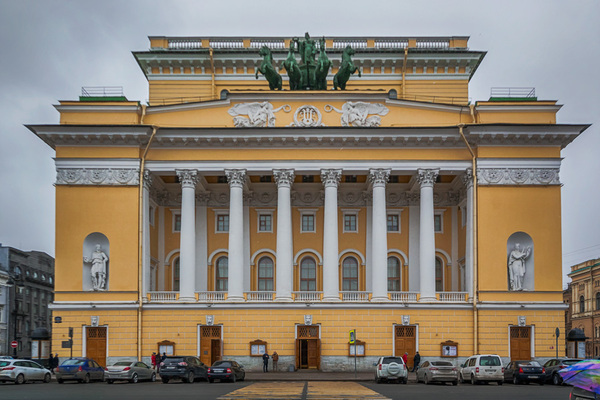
pixel 132 371
pixel 437 371
pixel 19 371
pixel 391 369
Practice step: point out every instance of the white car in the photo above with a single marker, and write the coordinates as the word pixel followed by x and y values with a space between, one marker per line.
pixel 391 369
pixel 482 368
pixel 20 371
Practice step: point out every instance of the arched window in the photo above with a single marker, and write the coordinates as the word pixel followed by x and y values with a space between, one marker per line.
pixel 222 274
pixel 598 301
pixel 265 274
pixel 350 274
pixel 581 304
pixel 176 275
pixel 439 275
pixel 308 275
pixel 393 273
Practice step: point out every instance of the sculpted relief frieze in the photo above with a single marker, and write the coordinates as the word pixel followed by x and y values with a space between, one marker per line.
pixel 518 176
pixel 360 114
pixel 255 115
pixel 98 176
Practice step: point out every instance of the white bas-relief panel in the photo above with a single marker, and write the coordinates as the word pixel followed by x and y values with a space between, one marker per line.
pixel 520 265
pixel 356 113
pixel 255 115
pixel 96 255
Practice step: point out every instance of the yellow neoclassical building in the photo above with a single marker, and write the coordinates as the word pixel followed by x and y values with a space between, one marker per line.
pixel 276 192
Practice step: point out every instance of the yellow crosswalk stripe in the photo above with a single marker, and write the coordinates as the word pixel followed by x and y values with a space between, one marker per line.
pixel 295 391
pixel 341 390
pixel 268 390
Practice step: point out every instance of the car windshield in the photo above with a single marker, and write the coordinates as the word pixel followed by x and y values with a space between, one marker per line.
pixel 489 361
pixel 441 363
pixel 4 363
pixel 389 360
pixel 222 364
pixel 122 364
pixel 529 363
pixel 172 360
pixel 570 362
pixel 74 362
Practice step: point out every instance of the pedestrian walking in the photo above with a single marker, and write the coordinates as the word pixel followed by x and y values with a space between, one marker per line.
pixel 416 361
pixel 153 359
pixel 275 358
pixel 405 359
pixel 56 361
pixel 51 363
pixel 266 362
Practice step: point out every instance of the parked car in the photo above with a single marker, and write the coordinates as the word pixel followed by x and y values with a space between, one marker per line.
pixel 391 369
pixel 524 372
pixel 19 371
pixel 79 369
pixel 226 370
pixel 6 358
pixel 554 365
pixel 186 368
pixel 482 368
pixel 437 371
pixel 582 394
pixel 132 371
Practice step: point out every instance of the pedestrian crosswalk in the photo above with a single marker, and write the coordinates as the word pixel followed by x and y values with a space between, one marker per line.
pixel 304 391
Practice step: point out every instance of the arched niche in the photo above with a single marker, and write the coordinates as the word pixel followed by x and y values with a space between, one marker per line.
pixel 96 262
pixel 520 262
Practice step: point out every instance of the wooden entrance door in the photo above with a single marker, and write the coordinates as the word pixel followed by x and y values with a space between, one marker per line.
pixel 95 344
pixel 405 338
pixel 210 344
pixel 520 343
pixel 308 347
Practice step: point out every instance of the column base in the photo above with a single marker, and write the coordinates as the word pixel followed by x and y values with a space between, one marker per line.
pixel 235 299
pixel 332 299
pixel 379 299
pixel 428 299
pixel 187 299
pixel 283 299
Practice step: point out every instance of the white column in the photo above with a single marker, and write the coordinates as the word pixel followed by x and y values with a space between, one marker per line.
pixel 202 243
pixel 469 242
pixel 414 272
pixel 236 178
pixel 331 285
pixel 369 241
pixel 247 254
pixel 378 179
pixel 161 249
pixel 187 247
pixel 285 245
pixel 427 177
pixel 146 233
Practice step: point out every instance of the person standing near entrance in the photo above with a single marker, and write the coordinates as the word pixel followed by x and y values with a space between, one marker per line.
pixel 153 359
pixel 266 362
pixel 405 359
pixel 416 361
pixel 275 358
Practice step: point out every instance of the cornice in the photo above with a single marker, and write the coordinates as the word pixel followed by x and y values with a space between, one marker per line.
pixel 96 108
pixel 519 108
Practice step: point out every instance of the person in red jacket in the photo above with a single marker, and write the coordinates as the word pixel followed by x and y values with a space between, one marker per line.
pixel 405 359
pixel 153 360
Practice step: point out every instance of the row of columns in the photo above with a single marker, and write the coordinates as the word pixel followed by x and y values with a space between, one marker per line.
pixel 284 259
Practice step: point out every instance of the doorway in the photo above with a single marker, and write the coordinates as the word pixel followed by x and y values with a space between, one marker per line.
pixel 405 341
pixel 210 344
pixel 95 344
pixel 308 347
pixel 520 343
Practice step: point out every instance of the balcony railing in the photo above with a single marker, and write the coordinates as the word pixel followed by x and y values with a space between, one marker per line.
pixel 163 297
pixel 211 297
pixel 307 296
pixel 259 296
pixel 359 297
pixel 404 297
pixel 453 297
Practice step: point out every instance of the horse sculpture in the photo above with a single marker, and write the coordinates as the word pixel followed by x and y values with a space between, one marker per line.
pixel 323 65
pixel 346 69
pixel 266 68
pixel 293 70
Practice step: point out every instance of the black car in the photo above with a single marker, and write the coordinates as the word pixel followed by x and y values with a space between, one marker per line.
pixel 556 364
pixel 524 372
pixel 186 368
pixel 226 370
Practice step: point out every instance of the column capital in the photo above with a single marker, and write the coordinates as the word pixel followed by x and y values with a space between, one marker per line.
pixel 427 177
pixel 379 177
pixel 187 177
pixel 236 177
pixel 468 178
pixel 147 179
pixel 284 177
pixel 331 177
pixel 203 198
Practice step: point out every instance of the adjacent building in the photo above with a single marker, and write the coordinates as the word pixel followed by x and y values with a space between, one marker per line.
pixel 234 214
pixel 584 312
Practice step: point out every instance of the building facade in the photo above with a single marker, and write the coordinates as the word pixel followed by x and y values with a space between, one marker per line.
pixel 25 294
pixel 584 314
pixel 234 214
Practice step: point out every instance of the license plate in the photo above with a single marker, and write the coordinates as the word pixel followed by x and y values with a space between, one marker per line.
pixel 533 377
pixel 491 371
pixel 169 367
pixel 218 370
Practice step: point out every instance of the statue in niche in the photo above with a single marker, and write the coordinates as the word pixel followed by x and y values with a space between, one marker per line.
pixel 98 271
pixel 516 266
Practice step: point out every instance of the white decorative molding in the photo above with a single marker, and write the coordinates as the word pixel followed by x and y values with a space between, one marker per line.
pixel 427 177
pixel 308 320
pixel 356 113
pixel 379 177
pixel 331 177
pixel 406 320
pixel 518 176
pixel 236 177
pixel 255 115
pixel 307 116
pixel 522 320
pixel 210 320
pixel 98 176
pixel 187 177
pixel 284 177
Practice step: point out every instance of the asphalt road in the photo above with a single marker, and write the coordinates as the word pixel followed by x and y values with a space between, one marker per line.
pixel 300 390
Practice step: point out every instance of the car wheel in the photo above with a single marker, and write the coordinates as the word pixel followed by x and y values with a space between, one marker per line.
pixel 109 381
pixel 500 383
pixel 405 381
pixel 19 379
pixel 556 379
pixel 425 379
pixel 515 380
pixel 473 380
pixel 60 381
pixel 243 377
pixel 190 377
pixel 86 378
pixel 454 383
pixel 211 380
pixel 233 378
pixel 461 378
pixel 541 383
pixel 164 380
pixel 134 378
pixel 47 378
pixel 153 377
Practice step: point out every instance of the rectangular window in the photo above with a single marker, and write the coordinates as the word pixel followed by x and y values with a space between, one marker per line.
pixel 438 221
pixel 350 178
pixel 264 223
pixel 350 223
pixel 151 213
pixel 393 223
pixel 308 223
pixel 177 223
pixel 223 223
pixel 308 178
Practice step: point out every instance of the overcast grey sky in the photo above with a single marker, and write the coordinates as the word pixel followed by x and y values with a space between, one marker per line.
pixel 50 49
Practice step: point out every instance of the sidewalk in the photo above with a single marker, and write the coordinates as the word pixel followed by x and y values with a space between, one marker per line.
pixel 315 375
